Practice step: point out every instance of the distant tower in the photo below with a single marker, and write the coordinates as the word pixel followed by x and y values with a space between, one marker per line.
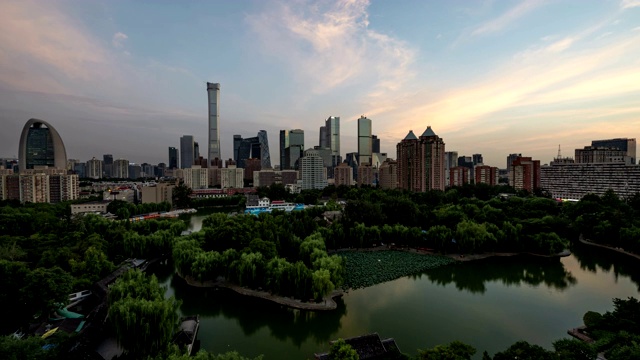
pixel 213 91
pixel 364 140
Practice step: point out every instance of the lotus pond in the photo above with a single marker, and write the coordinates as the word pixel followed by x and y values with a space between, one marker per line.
pixel 368 268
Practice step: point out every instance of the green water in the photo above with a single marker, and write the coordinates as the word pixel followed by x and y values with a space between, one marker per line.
pixel 489 304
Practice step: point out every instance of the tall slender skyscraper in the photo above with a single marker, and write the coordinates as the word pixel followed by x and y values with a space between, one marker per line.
pixel 213 92
pixel 284 144
pixel 364 140
pixel 186 151
pixel 173 158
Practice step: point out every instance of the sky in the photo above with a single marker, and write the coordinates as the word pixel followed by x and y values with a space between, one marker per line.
pixel 128 78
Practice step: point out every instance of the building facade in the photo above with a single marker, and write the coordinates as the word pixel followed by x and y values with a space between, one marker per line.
pixel 366 175
pixel 485 174
pixel 459 175
pixel 173 158
pixel 573 181
pixel 421 162
pixel 196 177
pixel 121 169
pixel 343 175
pixel 231 177
pixel 365 145
pixel 40 145
pixel 313 172
pixel 625 144
pixel 388 174
pixel 525 174
pixel 94 169
pixel 186 151
pixel 592 154
pixel 213 95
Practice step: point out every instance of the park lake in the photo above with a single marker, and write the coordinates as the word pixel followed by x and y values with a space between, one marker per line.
pixel 489 304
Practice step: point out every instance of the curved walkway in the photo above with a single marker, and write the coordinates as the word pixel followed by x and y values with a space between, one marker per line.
pixel 587 242
pixel 327 304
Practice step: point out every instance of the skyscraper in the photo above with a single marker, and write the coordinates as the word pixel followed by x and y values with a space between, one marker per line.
pixel 477 159
pixel 121 169
pixel 41 145
pixel 333 135
pixel 510 160
pixel 213 92
pixel 284 144
pixel 375 144
pixel 186 151
pixel 173 158
pixel 196 151
pixel 254 147
pixel 107 169
pixel 421 162
pixel 364 141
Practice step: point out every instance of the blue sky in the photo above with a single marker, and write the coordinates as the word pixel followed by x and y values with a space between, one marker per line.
pixel 491 77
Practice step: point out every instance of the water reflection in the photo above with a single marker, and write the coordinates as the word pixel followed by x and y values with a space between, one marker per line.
pixel 473 276
pixel 252 314
pixel 591 258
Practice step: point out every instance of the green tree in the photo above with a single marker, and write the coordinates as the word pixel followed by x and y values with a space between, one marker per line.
pixel 522 350
pixel 340 350
pixel 572 349
pixel 455 350
pixel 143 320
pixel 46 289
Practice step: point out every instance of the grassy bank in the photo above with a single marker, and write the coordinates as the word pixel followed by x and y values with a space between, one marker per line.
pixel 374 267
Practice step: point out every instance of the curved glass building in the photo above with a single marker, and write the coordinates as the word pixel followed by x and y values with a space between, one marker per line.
pixel 41 145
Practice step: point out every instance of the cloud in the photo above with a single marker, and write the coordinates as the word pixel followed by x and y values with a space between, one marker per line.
pixel 330 45
pixel 38 43
pixel 627 4
pixel 507 18
pixel 119 39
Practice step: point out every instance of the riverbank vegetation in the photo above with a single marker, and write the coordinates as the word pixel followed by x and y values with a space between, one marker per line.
pixel 369 268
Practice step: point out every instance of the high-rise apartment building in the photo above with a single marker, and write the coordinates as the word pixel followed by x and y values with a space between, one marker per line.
pixel 388 174
pixel 173 158
pixel 41 145
pixel 366 175
pixel 510 159
pixel 213 93
pixel 364 141
pixel 186 151
pixel 525 174
pixel 196 177
pixel 343 175
pixel 313 172
pixel 231 177
pixel 121 169
pixel 421 162
pixel 624 144
pixel 485 174
pixel 459 175
pixel 94 169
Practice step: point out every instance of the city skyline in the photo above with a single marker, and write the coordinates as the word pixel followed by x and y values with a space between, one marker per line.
pixel 542 73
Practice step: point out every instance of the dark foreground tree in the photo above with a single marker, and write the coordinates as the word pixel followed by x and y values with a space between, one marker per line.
pixel 340 350
pixel 143 320
pixel 455 350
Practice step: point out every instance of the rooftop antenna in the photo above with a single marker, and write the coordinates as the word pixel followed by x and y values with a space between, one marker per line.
pixel 559 154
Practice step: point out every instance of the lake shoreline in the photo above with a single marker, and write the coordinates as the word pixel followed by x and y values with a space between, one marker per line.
pixel 618 250
pixel 328 301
